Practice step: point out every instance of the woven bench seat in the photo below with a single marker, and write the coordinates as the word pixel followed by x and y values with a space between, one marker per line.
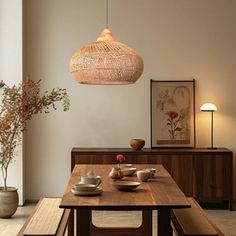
pixel 193 222
pixel 46 219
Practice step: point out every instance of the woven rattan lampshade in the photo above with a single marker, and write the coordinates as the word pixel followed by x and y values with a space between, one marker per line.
pixel 106 61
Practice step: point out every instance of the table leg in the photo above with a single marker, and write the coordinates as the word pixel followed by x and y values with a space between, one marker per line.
pixel 71 224
pixel 147 222
pixel 163 224
pixel 83 220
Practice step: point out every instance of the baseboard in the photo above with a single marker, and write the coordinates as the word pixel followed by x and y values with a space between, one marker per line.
pixel 28 201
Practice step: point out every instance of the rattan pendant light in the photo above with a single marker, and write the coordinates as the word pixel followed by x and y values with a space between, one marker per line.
pixel 106 61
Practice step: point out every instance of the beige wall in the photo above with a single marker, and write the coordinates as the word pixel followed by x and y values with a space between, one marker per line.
pixel 176 38
pixel 11 72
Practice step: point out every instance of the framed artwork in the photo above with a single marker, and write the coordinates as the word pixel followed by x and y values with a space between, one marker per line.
pixel 172 113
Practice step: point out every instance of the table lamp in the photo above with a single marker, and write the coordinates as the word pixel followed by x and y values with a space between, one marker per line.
pixel 209 107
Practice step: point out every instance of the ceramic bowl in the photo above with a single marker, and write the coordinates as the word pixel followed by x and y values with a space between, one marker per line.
pixel 137 144
pixel 152 170
pixel 144 175
pixel 125 185
pixel 125 165
pixel 128 171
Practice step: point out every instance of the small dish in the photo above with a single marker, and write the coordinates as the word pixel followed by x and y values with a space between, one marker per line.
pixel 125 185
pixel 128 171
pixel 77 192
pixel 85 187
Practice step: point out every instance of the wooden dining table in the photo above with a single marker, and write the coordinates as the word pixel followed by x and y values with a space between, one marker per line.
pixel 159 193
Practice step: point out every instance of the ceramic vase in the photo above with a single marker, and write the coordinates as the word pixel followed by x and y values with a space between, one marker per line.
pixel 116 173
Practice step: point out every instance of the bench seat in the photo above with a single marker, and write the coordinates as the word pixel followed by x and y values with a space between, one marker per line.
pixel 193 222
pixel 46 219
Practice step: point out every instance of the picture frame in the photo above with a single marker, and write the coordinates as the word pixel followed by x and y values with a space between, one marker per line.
pixel 172 113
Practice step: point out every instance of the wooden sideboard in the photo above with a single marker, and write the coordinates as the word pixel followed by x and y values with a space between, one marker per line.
pixel 205 174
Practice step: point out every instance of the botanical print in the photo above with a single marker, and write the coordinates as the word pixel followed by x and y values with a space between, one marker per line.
pixel 173 121
pixel 172 103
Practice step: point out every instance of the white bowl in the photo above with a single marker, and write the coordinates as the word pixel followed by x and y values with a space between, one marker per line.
pixel 126 166
pixel 128 171
pixel 152 170
pixel 85 187
pixel 125 185
pixel 144 175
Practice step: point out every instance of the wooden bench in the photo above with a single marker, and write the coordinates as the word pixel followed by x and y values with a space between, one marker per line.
pixel 46 219
pixel 193 221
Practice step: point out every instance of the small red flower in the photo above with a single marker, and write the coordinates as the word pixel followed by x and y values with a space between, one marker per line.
pixel 120 157
pixel 172 114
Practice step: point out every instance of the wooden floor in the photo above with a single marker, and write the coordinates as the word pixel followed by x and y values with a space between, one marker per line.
pixel 226 220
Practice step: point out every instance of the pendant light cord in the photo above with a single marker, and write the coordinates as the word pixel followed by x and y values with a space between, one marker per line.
pixel 107 14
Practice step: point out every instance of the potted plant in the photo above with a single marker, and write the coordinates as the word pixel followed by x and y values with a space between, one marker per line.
pixel 19 103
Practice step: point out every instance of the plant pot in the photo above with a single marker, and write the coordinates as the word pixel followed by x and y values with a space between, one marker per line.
pixel 8 202
pixel 137 144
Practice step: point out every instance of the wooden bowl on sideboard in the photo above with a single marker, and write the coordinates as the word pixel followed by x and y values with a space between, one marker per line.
pixel 137 144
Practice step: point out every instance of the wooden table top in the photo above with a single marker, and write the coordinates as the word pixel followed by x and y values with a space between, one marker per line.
pixel 159 192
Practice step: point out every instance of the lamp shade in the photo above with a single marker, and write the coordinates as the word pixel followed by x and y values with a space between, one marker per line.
pixel 106 61
pixel 208 107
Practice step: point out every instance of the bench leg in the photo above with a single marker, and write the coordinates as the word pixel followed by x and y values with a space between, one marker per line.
pixel 164 223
